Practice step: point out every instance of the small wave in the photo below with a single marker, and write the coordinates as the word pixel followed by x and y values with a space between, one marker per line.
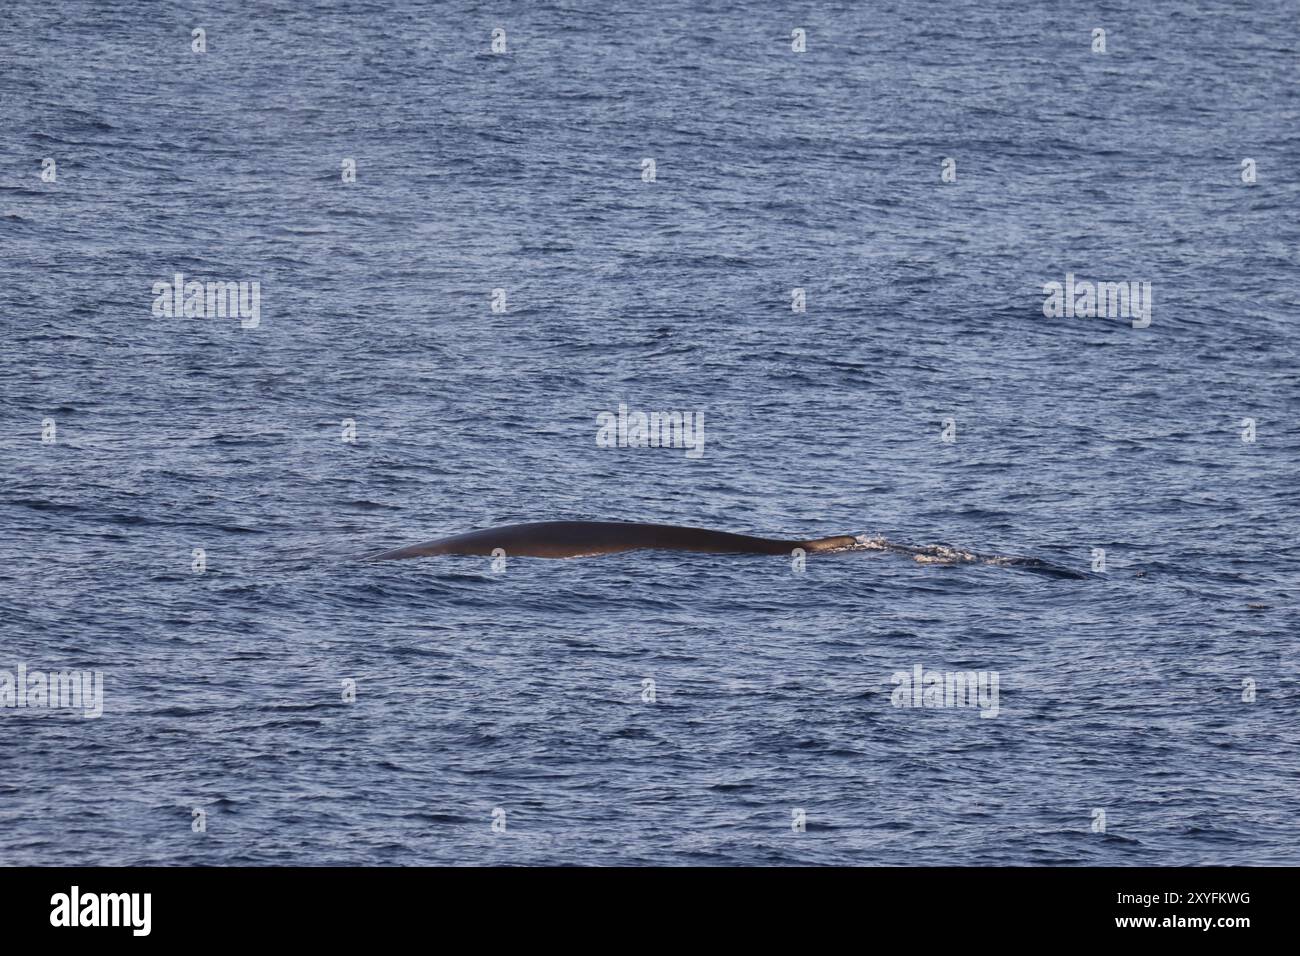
pixel 945 554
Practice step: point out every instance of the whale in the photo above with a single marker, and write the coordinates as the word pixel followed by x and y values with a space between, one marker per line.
pixel 580 539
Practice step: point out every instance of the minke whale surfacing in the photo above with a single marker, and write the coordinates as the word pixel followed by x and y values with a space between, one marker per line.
pixel 580 539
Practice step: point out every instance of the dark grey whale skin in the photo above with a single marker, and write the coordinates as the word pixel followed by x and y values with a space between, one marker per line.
pixel 575 539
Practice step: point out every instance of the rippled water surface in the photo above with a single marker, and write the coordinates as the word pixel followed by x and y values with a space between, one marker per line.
pixel 525 691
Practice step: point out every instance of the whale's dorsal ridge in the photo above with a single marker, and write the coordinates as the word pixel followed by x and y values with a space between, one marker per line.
pixel 571 539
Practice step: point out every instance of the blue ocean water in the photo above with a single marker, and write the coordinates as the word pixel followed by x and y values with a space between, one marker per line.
pixel 1147 713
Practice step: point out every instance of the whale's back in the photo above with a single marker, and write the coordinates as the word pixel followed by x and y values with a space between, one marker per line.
pixel 573 539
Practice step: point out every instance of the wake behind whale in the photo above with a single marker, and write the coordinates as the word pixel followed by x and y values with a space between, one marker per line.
pixel 577 539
